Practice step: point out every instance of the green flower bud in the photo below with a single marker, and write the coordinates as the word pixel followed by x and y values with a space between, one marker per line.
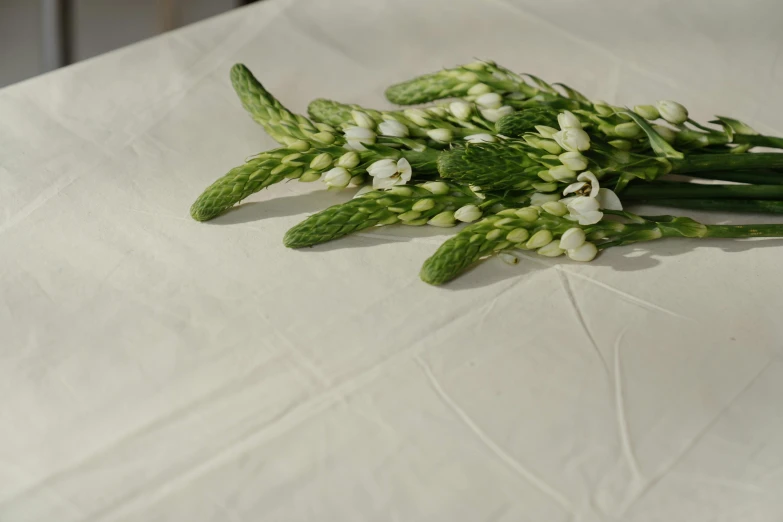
pixel 423 205
pixel 321 162
pixel 327 138
pixel 310 176
pixel 539 239
pixel 628 130
pixel 300 146
pixel 648 112
pixel 545 187
pixel 527 214
pixel 550 250
pixel 436 187
pixel 444 219
pixel 401 190
pixel 494 234
pixel 409 216
pixel 518 235
pixel 555 208
pixel 348 160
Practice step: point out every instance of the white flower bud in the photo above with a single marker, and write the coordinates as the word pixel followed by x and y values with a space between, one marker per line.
pixel 480 138
pixel 327 138
pixel 555 208
pixel 423 204
pixel 441 135
pixel 648 112
pixel 546 132
pixel 300 146
pixel 573 140
pixel 443 219
pixel 338 177
pixel 628 130
pixel 585 252
pixel 572 238
pixel 440 112
pixel 363 120
pixel 436 187
pixel 357 137
pixel 479 89
pixel 567 120
pixel 417 116
pixel 539 199
pixel 494 115
pixel 562 173
pixel 518 235
pixel 672 111
pixel 460 110
pixel 527 214
pixel 666 133
pixel 490 100
pixel 321 161
pixel 573 160
pixel 539 239
pixel 348 160
pixel 393 128
pixel 468 213
pixel 509 259
pixel 550 250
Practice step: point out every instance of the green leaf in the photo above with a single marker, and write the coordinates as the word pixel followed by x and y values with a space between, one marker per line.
pixel 658 144
pixel 732 127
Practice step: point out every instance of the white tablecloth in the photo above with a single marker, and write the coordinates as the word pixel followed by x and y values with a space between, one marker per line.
pixel 157 369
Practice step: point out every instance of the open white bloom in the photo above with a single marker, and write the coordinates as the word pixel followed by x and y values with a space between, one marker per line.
pixel 567 120
pixel 573 160
pixel 586 209
pixel 460 110
pixel 480 138
pixel 585 252
pixel 441 135
pixel 572 238
pixel 357 137
pixel 393 128
pixel 584 181
pixel 363 120
pixel 672 111
pixel 338 177
pixel 468 213
pixel 572 140
pixel 490 100
pixel 387 173
pixel 494 115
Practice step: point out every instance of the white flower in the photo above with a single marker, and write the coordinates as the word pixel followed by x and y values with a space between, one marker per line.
pixel 338 177
pixel 585 252
pixel 567 120
pixel 490 100
pixel 441 135
pixel 573 140
pixel 417 116
pixel 572 238
pixel 573 160
pixel 460 110
pixel 468 213
pixel 393 128
pixel 585 209
pixel 479 89
pixel 494 115
pixel 583 181
pixel 386 173
pixel 672 111
pixel 357 137
pixel 363 120
pixel 480 138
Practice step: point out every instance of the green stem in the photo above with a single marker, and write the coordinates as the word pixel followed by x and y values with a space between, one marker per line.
pixel 707 162
pixel 759 140
pixel 747 206
pixel 744 231
pixel 673 190
pixel 755 177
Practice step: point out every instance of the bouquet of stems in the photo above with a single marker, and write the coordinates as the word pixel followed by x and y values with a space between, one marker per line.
pixel 527 164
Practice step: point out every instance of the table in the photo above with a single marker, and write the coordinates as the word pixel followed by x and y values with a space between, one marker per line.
pixel 158 369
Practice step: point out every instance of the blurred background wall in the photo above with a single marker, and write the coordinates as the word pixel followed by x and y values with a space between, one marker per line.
pixel 40 35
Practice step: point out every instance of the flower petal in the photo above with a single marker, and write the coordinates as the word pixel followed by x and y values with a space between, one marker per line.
pixel 589 176
pixel 608 199
pixel 384 168
pixel 404 168
pixel 384 183
pixel 590 218
pixel 573 187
